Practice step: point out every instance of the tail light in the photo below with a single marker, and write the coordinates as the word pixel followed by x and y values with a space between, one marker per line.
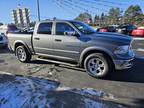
pixel 138 33
pixel 103 30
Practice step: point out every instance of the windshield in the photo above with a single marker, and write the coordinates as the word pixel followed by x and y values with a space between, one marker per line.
pixel 83 28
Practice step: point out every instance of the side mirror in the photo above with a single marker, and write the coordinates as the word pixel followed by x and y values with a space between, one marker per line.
pixel 71 33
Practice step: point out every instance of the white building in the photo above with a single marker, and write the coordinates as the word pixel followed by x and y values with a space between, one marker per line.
pixel 20 17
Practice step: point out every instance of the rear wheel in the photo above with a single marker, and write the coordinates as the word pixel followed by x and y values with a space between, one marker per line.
pixel 22 54
pixel 97 65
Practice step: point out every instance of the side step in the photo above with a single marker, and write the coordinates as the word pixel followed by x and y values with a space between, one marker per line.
pixel 57 62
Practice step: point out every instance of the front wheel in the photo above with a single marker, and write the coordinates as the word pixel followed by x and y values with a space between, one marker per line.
pixel 22 54
pixel 97 65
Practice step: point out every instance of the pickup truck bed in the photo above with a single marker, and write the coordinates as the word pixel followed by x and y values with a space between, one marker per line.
pixel 21 37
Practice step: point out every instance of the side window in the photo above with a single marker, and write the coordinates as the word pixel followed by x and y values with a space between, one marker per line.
pixel 63 27
pixel 45 28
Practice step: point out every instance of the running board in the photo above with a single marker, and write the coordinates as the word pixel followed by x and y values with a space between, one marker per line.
pixel 57 62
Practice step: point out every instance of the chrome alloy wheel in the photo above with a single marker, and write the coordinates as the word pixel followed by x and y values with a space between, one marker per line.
pixel 96 66
pixel 21 54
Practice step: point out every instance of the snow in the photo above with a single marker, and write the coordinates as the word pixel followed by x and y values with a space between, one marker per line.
pixel 32 92
pixel 92 104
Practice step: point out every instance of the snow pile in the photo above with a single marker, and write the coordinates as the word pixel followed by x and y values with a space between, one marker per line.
pixel 30 92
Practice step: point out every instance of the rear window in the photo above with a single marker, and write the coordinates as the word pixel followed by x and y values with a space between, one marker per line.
pixel 45 28
pixel 12 28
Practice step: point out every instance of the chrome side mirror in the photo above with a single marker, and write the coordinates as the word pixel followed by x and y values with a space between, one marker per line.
pixel 70 33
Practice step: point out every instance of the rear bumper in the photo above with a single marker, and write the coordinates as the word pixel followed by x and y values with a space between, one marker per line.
pixel 123 64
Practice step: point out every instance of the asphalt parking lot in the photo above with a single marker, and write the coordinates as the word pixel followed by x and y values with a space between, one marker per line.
pixel 127 85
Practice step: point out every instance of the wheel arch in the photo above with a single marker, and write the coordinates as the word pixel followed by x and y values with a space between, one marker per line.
pixel 19 43
pixel 92 50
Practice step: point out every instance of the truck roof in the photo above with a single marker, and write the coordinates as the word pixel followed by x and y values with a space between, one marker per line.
pixel 58 21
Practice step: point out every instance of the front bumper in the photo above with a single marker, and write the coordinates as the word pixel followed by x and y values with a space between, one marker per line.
pixel 123 64
pixel 124 61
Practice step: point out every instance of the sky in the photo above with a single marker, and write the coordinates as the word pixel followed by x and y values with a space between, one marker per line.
pixel 50 9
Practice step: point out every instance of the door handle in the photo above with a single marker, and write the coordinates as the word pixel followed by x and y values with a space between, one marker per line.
pixel 36 38
pixel 58 40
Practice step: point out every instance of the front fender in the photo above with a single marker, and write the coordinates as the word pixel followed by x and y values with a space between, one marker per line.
pixel 95 48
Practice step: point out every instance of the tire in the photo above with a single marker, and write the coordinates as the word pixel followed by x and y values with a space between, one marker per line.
pixel 22 54
pixel 98 65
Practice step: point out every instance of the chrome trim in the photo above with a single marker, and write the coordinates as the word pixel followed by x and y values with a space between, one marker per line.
pixel 61 57
pixel 65 51
pixel 138 38
pixel 58 62
pixel 123 64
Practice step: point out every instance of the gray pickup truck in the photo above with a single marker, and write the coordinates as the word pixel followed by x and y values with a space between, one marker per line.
pixel 76 44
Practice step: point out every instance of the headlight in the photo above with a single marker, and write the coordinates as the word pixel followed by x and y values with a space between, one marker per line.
pixel 122 49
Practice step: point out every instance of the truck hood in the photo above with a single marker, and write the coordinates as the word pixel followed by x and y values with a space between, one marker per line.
pixel 113 37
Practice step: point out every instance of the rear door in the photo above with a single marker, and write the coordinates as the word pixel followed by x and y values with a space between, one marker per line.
pixel 42 40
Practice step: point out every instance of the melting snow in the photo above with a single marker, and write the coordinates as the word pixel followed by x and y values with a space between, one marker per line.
pixel 30 92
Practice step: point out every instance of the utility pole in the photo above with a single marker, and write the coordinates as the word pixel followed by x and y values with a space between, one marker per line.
pixel 38 10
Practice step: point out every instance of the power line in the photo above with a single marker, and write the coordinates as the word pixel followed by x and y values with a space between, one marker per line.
pixel 110 2
pixel 64 7
pixel 87 5
pixel 77 5
pixel 72 6
pixel 96 3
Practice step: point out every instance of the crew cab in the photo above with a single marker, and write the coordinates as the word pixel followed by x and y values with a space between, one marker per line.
pixel 76 44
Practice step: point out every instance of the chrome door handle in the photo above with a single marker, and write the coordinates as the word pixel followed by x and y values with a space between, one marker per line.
pixel 36 38
pixel 58 40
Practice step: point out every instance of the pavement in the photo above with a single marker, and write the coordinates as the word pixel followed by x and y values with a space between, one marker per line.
pixel 127 86
pixel 32 92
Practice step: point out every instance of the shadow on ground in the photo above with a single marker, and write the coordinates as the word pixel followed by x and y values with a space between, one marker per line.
pixel 32 92
pixel 135 74
pixel 139 103
pixel 4 50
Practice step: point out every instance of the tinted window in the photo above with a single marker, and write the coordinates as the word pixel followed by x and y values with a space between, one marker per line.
pixel 131 27
pixel 84 28
pixel 63 27
pixel 45 28
pixel 12 28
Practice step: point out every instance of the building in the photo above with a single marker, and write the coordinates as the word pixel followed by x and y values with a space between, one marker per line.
pixel 20 17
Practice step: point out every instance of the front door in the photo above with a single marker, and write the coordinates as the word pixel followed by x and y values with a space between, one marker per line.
pixel 64 45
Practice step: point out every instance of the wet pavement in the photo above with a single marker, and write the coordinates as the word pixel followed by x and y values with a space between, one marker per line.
pixel 127 86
